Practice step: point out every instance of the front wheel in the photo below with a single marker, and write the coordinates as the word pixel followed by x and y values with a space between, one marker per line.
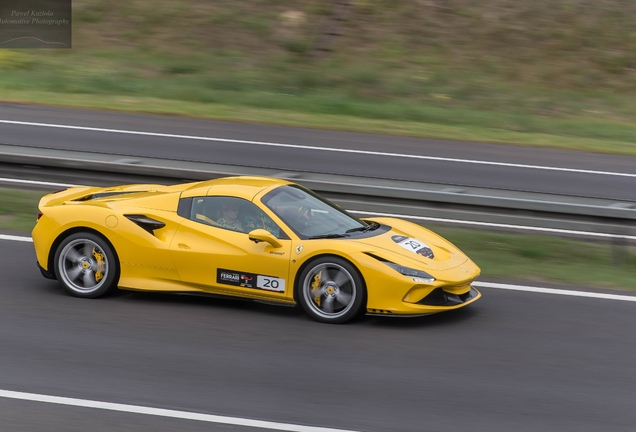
pixel 86 266
pixel 331 290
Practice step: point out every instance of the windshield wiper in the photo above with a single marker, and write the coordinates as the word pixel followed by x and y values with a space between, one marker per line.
pixel 327 236
pixel 366 228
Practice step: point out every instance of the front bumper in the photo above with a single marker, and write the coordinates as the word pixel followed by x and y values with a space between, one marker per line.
pixel 444 301
pixel 440 297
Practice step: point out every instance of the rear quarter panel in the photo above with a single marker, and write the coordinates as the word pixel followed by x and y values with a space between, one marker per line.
pixel 141 254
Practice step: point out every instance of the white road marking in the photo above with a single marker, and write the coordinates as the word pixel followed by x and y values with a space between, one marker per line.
pixel 317 148
pixel 16 238
pixel 555 291
pixel 35 182
pixel 496 225
pixel 185 415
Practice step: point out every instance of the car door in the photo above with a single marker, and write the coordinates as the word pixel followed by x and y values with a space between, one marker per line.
pixel 212 250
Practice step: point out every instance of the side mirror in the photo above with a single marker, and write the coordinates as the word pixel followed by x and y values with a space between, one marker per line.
pixel 259 235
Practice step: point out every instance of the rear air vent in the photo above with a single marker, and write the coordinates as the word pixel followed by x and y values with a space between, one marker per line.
pixel 101 195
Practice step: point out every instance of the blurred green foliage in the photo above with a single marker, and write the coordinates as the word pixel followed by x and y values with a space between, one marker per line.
pixel 543 258
pixel 18 209
pixel 12 61
pixel 552 67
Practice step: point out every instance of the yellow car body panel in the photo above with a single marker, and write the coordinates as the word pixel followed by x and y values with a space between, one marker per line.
pixel 187 255
pixel 199 250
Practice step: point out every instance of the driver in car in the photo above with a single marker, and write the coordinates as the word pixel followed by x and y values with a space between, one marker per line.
pixel 229 217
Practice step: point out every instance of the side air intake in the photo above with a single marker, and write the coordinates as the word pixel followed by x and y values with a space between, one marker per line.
pixel 147 223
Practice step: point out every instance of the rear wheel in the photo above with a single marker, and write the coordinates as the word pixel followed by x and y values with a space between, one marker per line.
pixel 86 266
pixel 331 290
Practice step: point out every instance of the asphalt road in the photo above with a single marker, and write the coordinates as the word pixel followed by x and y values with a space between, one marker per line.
pixel 513 361
pixel 405 168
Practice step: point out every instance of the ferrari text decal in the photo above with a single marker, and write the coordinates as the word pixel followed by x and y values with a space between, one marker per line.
pixel 413 245
pixel 230 277
pixel 250 280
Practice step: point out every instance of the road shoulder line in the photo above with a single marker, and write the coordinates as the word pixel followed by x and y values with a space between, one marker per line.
pixel 319 148
pixel 16 238
pixel 555 291
pixel 160 412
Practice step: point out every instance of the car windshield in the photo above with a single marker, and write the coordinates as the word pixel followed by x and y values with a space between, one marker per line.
pixel 309 215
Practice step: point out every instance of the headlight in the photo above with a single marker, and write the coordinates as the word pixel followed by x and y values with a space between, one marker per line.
pixel 417 275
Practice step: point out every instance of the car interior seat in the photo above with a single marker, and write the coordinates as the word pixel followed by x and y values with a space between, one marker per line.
pixel 204 211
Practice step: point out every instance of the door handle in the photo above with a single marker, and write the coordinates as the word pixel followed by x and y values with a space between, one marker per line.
pixel 184 246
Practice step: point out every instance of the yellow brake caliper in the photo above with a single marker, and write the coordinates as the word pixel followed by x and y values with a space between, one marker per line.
pixel 99 257
pixel 315 285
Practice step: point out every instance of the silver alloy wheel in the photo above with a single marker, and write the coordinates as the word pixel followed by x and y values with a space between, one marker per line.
pixel 329 290
pixel 83 266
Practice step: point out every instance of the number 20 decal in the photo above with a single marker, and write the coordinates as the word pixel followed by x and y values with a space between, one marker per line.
pixel 413 245
pixel 270 283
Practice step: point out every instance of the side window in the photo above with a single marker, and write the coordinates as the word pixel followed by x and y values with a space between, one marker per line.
pixel 235 214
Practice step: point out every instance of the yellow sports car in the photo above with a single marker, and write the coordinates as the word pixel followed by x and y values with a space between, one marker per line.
pixel 252 237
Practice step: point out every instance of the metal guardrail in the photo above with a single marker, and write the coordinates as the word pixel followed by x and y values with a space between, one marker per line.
pixel 577 216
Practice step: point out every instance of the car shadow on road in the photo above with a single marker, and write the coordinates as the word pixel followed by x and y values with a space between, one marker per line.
pixel 189 300
pixel 207 301
pixel 449 318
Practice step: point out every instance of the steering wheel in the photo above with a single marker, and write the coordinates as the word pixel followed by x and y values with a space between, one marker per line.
pixel 305 216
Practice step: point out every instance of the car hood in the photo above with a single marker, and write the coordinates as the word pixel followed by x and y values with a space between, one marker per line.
pixel 414 244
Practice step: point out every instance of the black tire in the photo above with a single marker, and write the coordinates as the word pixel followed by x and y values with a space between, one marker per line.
pixel 86 266
pixel 331 290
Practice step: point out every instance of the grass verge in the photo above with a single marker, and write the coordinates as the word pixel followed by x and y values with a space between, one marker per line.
pixel 542 258
pixel 18 209
pixel 512 256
